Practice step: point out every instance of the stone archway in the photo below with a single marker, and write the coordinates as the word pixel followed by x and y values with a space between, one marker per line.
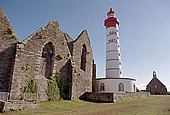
pixel 48 59
pixel 46 69
pixel 83 57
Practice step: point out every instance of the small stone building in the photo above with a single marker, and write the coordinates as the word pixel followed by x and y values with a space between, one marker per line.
pixel 47 52
pixel 156 87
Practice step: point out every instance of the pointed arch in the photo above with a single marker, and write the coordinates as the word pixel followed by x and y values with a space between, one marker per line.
pixel 48 59
pixel 102 87
pixel 83 57
pixel 120 87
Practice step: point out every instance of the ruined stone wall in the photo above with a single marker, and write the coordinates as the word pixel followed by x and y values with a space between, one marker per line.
pixel 7 51
pixel 81 79
pixel 94 77
pixel 31 59
pixel 47 52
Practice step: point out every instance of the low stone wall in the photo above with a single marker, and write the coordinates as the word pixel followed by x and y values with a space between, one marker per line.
pixel 19 105
pixel 124 96
pixel 113 97
pixel 99 97
pixel 27 101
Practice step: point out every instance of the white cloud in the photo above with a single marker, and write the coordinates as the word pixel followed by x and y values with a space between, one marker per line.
pixel 142 87
pixel 168 88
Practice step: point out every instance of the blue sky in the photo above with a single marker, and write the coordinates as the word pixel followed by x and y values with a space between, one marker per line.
pixel 144 30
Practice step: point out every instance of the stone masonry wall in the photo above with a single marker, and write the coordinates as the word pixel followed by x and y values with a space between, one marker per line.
pixel 7 52
pixel 81 80
pixel 19 105
pixel 124 96
pixel 156 87
pixel 113 97
pixel 45 53
pixel 29 62
pixel 94 77
pixel 99 97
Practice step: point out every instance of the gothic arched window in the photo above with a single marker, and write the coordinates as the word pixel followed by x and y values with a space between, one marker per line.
pixel 120 87
pixel 83 57
pixel 102 87
pixel 48 58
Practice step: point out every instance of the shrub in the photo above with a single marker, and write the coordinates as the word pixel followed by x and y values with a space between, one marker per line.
pixel 59 57
pixel 63 89
pixel 10 31
pixel 25 68
pixel 57 74
pixel 30 87
pixel 42 37
pixel 15 37
pixel 52 89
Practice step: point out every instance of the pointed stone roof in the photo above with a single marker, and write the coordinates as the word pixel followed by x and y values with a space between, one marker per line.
pixel 155 79
pixel 52 25
pixel 84 32
pixel 3 18
pixel 7 34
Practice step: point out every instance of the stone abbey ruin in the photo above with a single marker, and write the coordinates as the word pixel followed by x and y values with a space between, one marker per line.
pixel 47 53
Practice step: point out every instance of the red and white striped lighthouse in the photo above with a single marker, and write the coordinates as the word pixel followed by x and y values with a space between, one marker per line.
pixel 116 83
pixel 113 59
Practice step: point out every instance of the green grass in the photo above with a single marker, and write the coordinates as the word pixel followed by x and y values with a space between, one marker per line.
pixel 154 105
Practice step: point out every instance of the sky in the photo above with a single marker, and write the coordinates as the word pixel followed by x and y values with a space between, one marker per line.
pixel 144 30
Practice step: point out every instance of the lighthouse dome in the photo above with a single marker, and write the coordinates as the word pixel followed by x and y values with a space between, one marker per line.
pixel 111 13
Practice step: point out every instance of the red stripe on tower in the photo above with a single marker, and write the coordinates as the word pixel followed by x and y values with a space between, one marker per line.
pixel 111 21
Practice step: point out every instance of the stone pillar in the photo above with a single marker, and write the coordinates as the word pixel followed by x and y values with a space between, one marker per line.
pixel 94 77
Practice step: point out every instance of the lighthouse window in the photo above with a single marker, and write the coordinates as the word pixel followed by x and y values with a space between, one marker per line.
pixel 102 87
pixel 120 87
pixel 119 63
pixel 83 57
pixel 120 72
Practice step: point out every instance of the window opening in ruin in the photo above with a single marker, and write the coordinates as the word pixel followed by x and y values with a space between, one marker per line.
pixel 48 55
pixel 102 87
pixel 134 88
pixel 83 58
pixel 121 87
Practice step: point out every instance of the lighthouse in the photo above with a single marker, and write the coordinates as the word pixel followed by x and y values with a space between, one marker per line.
pixel 113 59
pixel 114 82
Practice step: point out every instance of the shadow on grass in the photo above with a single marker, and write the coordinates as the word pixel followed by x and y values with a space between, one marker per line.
pixel 84 98
pixel 95 101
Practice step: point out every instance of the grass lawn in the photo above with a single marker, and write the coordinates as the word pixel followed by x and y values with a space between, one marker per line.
pixel 154 105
